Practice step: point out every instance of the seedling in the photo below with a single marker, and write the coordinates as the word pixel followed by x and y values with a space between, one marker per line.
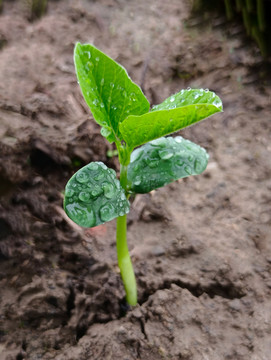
pixel 94 195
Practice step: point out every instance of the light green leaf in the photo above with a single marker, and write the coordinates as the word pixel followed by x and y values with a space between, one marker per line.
pixel 138 130
pixel 107 89
pixel 189 97
pixel 93 196
pixel 162 161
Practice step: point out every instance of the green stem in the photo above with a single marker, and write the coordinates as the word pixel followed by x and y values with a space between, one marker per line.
pixel 124 260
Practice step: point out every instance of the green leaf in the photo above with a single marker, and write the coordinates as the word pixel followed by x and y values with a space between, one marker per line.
pixel 107 89
pixel 162 161
pixel 93 196
pixel 189 97
pixel 170 116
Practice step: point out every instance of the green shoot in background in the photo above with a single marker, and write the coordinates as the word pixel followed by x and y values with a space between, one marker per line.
pixel 94 194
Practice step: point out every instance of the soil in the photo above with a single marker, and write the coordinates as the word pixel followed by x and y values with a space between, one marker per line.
pixel 201 247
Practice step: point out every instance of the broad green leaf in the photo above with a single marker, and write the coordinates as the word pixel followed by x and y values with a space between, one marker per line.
pixel 93 196
pixel 189 97
pixel 107 89
pixel 164 119
pixel 162 161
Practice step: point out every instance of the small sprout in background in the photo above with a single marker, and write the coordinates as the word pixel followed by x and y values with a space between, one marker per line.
pixel 148 159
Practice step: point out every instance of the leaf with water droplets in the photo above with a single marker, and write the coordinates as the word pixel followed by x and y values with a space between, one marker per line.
pixel 162 161
pixel 107 89
pixel 172 115
pixel 94 196
pixel 189 97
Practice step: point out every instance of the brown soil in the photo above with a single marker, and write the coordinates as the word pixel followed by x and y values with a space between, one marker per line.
pixel 201 247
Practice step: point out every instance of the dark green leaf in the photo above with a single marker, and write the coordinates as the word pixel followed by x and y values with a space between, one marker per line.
pixel 164 119
pixel 164 160
pixel 107 89
pixel 93 196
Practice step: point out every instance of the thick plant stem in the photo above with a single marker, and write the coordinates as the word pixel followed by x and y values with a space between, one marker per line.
pixel 125 263
pixel 124 260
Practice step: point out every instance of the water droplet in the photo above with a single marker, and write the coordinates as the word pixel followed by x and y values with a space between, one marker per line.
pixel 99 177
pixel 105 131
pixel 153 164
pixel 102 105
pixel 82 215
pixel 89 54
pixel 188 89
pixel 136 154
pixel 213 95
pixel 182 91
pixel 112 173
pixel 165 154
pixel 113 107
pixel 179 162
pixel 107 212
pixel 137 180
pixel 206 90
pixel 103 165
pixel 188 170
pixel 96 191
pixel 196 96
pixel 190 158
pixel 84 196
pixel 172 99
pixel 161 142
pixel 93 166
pixel 178 139
pixel 122 196
pixel 97 58
pixel 112 84
pixel 102 81
pixel 82 177
pixel 96 102
pixel 121 213
pixel 108 189
pixel 198 166
pixel 69 193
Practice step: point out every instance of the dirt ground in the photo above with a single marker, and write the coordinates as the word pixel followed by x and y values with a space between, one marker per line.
pixel 201 247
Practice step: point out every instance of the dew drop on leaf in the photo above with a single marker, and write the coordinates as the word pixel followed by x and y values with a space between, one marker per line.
pixel 178 139
pixel 82 177
pixel 96 191
pixel 107 212
pixel 137 180
pixel 165 154
pixel 198 166
pixel 188 170
pixel 69 193
pixel 81 214
pixel 84 196
pixel 93 166
pixel 108 190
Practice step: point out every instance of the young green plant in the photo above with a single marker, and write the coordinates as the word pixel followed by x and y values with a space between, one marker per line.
pixel 94 195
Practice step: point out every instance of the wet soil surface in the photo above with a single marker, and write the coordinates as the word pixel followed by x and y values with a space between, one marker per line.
pixel 201 247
